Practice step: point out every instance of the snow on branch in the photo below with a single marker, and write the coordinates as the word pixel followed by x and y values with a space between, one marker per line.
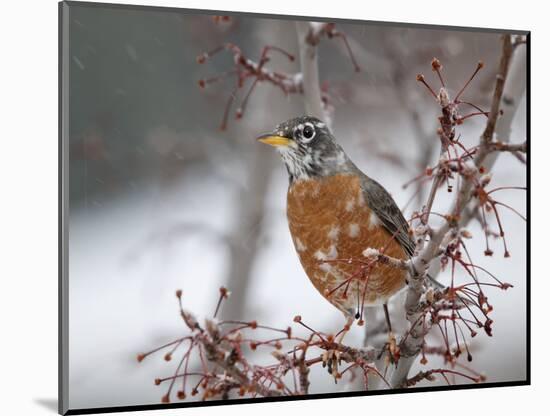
pixel 376 255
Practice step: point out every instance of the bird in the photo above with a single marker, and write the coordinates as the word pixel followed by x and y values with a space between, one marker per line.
pixel 335 212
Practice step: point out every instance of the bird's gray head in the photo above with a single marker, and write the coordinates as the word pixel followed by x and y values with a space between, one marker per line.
pixel 307 148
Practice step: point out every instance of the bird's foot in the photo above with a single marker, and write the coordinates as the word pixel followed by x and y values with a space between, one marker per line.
pixel 392 348
pixel 332 359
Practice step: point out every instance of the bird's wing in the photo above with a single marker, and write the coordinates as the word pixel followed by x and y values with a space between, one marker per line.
pixel 383 205
pixel 385 208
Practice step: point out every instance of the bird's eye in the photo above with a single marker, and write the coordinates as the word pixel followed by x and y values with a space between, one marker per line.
pixel 308 132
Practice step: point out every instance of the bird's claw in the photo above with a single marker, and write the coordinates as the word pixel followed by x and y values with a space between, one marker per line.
pixel 393 349
pixel 332 359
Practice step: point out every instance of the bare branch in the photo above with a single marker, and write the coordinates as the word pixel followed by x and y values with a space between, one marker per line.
pixel 428 251
pixel 507 147
pixel 505 58
pixel 310 70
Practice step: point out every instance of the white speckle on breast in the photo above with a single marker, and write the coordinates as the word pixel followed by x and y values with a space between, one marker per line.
pixel 361 199
pixel 319 255
pixel 331 254
pixel 299 245
pixel 333 233
pixel 374 221
pixel 349 205
pixel 353 230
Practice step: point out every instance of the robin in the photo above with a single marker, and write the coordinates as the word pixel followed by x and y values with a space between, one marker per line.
pixel 334 213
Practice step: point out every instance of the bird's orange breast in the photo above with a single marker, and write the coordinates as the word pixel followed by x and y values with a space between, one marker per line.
pixel 331 225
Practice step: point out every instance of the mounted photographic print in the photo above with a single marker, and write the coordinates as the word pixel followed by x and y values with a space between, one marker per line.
pixel 267 208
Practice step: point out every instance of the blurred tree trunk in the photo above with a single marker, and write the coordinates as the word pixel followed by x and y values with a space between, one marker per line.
pixel 244 238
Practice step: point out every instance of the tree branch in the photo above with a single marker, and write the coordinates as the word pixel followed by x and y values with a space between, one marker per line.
pixel 505 57
pixel 220 347
pixel 310 69
pixel 411 345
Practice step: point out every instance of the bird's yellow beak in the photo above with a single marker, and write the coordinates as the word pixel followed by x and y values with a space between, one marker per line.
pixel 273 140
